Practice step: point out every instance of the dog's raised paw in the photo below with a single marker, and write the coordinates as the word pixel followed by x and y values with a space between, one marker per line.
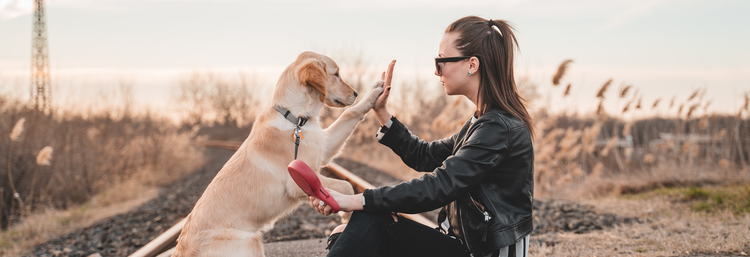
pixel 378 84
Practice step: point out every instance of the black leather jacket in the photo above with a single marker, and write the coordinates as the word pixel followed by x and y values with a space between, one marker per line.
pixel 483 177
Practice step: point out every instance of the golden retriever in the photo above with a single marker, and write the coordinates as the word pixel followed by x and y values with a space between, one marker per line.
pixel 254 188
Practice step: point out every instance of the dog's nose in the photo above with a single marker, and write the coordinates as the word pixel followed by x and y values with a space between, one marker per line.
pixel 355 94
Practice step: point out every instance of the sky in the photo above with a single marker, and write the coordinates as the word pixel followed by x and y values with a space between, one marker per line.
pixel 663 48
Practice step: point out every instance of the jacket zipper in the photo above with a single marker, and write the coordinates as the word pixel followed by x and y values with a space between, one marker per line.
pixel 487 217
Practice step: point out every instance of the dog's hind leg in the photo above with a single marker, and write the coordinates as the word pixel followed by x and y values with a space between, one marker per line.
pixel 234 243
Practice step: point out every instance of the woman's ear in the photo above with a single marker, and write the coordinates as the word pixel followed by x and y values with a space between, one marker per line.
pixel 312 73
pixel 473 65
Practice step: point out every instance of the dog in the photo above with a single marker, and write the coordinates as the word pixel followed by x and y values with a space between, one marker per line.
pixel 254 188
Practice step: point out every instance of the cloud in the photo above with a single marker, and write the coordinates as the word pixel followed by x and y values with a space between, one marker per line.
pixel 631 13
pixel 10 9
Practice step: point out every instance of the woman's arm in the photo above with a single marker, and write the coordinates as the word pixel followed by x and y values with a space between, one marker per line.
pixel 415 153
pixel 483 150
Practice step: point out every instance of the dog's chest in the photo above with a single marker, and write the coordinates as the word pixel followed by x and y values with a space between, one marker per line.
pixel 312 140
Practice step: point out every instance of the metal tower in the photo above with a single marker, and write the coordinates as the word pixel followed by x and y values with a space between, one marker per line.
pixel 40 80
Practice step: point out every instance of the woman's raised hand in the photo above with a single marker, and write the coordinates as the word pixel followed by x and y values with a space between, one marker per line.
pixel 380 105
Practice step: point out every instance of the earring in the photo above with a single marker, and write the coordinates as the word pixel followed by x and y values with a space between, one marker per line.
pixel 470 74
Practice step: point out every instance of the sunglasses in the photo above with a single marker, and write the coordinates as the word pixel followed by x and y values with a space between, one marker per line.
pixel 447 59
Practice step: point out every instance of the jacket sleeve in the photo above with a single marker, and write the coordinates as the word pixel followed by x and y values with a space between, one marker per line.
pixel 416 153
pixel 483 150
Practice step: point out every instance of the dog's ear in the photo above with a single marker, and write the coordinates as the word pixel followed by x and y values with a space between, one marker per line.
pixel 312 72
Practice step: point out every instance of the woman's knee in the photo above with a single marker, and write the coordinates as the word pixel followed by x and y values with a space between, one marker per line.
pixel 383 217
pixel 338 229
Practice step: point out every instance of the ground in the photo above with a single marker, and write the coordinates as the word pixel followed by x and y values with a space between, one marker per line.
pixel 672 227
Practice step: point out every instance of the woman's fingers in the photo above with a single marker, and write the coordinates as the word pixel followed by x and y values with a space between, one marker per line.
pixel 315 203
pixel 389 74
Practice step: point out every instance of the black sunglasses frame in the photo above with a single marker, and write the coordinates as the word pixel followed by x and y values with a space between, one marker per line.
pixel 448 59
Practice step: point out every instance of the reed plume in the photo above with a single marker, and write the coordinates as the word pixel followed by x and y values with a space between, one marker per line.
pixel 15 134
pixel 638 105
pixel 694 94
pixel 610 144
pixel 598 170
pixel 656 103
pixel 723 163
pixel 624 91
pixel 588 139
pixel 603 89
pixel 703 123
pixel 567 90
pixel 721 134
pixel 671 103
pixel 627 107
pixel 705 107
pixel 649 158
pixel 44 157
pixel 560 72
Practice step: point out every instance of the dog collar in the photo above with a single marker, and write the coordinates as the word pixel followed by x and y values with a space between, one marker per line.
pixel 299 122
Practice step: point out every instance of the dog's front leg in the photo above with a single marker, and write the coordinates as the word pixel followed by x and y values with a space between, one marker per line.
pixel 343 127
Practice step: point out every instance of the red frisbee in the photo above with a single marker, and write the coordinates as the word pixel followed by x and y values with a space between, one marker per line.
pixel 306 179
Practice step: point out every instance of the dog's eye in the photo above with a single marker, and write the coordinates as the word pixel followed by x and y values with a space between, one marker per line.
pixel 337 74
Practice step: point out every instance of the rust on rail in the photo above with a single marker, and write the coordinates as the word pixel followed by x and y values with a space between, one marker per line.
pixel 163 245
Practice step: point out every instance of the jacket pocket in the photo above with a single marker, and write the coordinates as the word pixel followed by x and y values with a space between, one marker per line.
pixel 484 216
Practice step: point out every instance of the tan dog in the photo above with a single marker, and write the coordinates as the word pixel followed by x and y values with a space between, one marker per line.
pixel 254 188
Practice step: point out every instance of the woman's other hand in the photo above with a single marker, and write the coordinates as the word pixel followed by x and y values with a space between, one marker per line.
pixel 380 105
pixel 346 202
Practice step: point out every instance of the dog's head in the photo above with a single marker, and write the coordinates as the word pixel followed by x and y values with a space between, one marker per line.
pixel 321 74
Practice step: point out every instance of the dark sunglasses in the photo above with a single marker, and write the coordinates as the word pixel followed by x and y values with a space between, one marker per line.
pixel 447 59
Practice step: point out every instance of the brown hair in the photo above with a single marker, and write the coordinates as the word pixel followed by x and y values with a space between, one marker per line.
pixel 494 44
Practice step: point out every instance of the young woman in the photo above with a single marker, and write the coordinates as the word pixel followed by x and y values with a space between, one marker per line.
pixel 482 175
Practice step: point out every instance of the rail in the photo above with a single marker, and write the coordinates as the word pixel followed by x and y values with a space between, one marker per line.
pixel 163 245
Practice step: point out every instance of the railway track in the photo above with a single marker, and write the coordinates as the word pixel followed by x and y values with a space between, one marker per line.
pixel 163 245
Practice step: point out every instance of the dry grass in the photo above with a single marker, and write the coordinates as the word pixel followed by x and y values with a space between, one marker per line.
pixel 75 167
pixel 673 228
pixel 45 224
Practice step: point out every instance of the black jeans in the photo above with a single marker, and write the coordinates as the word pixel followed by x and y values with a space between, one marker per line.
pixel 368 234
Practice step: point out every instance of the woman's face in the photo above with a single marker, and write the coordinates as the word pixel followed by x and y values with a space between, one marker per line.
pixel 454 75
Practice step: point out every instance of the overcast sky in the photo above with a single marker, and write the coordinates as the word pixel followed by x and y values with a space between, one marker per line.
pixel 664 48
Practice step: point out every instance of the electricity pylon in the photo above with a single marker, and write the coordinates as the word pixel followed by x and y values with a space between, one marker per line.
pixel 40 80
